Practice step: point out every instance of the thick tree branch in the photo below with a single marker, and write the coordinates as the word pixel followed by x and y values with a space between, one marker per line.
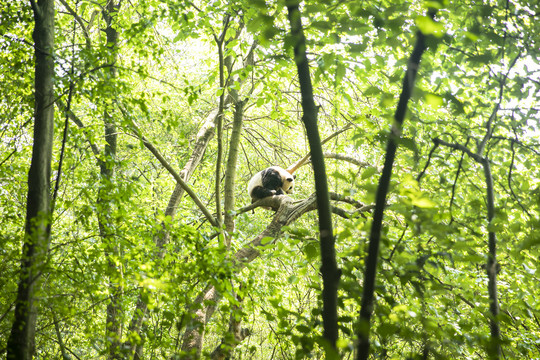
pixel 288 211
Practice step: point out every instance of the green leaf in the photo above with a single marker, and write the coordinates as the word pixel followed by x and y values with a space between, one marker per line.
pixel 303 329
pixel 531 241
pixel 266 240
pixel 429 27
pixel 369 172
pixel 433 100
pixel 311 250
pixel 408 143
pixel 423 203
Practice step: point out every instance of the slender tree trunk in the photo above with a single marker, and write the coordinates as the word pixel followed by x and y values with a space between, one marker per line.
pixel 36 240
pixel 219 43
pixel 380 199
pixel 113 327
pixel 494 350
pixel 329 269
pixel 230 174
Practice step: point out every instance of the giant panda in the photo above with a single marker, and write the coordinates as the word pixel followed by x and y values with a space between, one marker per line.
pixel 271 181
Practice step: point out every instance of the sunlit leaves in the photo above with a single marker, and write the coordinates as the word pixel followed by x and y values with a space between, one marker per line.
pixel 429 26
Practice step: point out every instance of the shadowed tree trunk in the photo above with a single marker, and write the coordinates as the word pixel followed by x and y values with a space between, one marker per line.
pixel 37 228
pixel 329 270
pixel 380 198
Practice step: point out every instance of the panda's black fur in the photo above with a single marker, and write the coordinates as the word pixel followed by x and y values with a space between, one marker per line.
pixel 271 181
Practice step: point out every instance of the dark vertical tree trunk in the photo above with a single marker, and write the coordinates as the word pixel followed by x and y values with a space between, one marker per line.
pixel 329 269
pixel 380 199
pixel 36 240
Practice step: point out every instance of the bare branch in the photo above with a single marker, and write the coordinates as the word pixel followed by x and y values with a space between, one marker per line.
pixel 460 147
pixel 303 160
pixel 79 20
pixel 489 124
pixel 175 175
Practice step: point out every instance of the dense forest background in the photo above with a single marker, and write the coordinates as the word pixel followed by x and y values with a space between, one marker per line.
pixel 130 129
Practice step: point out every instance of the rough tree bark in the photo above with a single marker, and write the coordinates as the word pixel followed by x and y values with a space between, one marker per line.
pixel 329 269
pixel 20 344
pixel 380 198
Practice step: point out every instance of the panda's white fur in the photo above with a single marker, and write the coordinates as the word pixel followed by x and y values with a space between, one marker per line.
pixel 273 180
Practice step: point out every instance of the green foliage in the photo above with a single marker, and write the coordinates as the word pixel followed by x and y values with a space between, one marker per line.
pixel 431 292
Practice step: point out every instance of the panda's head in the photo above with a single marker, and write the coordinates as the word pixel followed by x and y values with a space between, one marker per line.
pixel 287 180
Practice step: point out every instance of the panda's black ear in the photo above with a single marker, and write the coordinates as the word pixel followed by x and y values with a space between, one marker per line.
pixel 294 176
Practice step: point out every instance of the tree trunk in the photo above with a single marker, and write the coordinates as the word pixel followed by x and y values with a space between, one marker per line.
pixel 329 270
pixel 234 335
pixel 230 173
pixel 494 349
pixel 37 229
pixel 380 199
pixel 193 338
pixel 113 326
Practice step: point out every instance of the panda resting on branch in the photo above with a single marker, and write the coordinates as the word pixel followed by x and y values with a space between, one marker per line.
pixel 271 181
